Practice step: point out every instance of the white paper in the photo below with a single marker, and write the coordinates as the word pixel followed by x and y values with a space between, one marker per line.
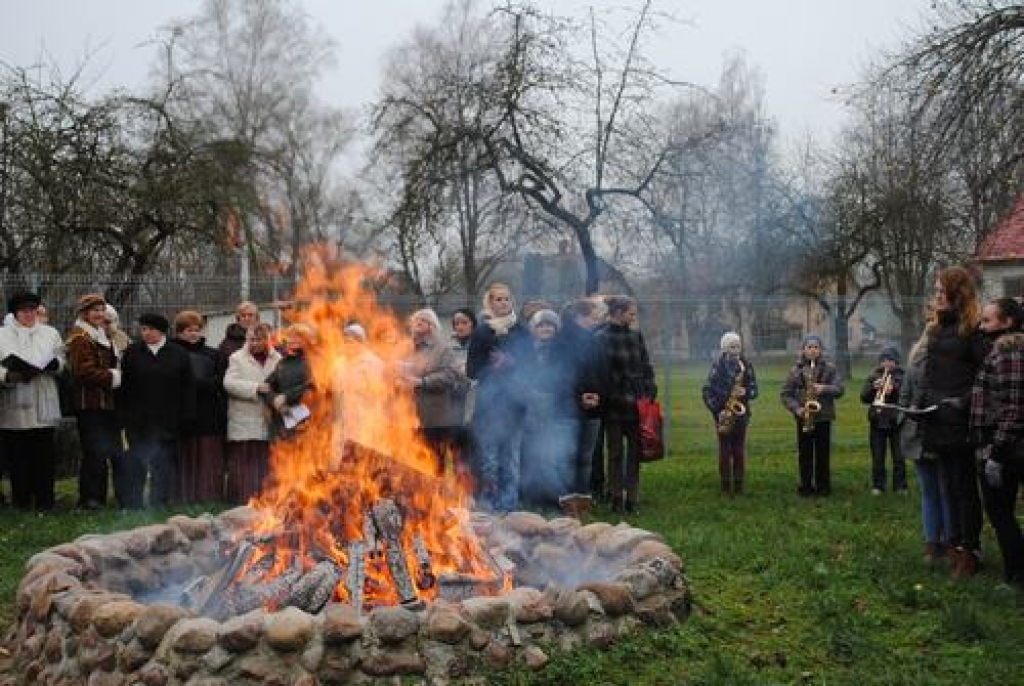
pixel 294 415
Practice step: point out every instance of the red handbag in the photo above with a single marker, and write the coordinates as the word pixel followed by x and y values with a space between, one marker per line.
pixel 652 427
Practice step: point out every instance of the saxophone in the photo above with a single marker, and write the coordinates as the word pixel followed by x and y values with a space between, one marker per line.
pixel 734 407
pixel 812 406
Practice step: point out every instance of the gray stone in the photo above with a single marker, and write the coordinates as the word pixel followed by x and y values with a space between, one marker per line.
pixel 615 597
pixel 601 635
pixel 571 608
pixel 392 625
pixel 239 634
pixel 112 618
pixel 447 626
pixel 393 663
pixel 535 658
pixel 289 629
pixel 196 635
pixel 487 612
pixel 529 605
pixel 341 624
pixel 155 621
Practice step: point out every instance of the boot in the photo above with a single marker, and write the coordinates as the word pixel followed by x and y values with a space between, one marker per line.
pixel 737 486
pixel 726 488
pixel 963 564
pixel 933 554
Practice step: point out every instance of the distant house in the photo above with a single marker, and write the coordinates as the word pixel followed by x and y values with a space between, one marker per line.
pixel 1001 256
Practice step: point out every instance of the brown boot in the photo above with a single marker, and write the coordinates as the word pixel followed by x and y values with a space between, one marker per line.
pixel 933 554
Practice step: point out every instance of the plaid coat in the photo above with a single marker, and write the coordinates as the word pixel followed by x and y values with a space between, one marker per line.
pixel 997 418
pixel 630 374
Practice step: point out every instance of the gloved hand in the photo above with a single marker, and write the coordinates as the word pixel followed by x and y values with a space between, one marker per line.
pixel 53 366
pixel 993 472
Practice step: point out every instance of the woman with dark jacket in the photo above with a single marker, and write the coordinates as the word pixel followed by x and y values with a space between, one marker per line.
pixel 630 377
pixel 289 383
pixel 556 390
pixel 202 441
pixel 955 350
pixel 157 400
pixel 997 428
pixel 498 413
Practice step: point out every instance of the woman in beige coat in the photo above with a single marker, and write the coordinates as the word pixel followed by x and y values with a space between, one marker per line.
pixel 248 453
pixel 431 373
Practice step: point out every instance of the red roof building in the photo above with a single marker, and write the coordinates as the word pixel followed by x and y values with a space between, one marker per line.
pixel 1001 256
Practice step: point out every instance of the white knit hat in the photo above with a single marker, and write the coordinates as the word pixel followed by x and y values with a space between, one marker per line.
pixel 545 317
pixel 729 338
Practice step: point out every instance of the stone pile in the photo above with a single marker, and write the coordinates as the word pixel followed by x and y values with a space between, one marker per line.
pixel 83 619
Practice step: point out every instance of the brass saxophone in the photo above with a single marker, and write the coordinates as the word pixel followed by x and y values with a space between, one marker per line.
pixel 812 406
pixel 734 407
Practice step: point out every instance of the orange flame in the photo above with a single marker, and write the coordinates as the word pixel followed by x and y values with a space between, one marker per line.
pixel 359 445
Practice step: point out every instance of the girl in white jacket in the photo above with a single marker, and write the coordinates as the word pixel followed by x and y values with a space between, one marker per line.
pixel 31 355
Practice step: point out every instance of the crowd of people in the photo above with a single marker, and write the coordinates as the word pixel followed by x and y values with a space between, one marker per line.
pixel 515 399
pixel 537 406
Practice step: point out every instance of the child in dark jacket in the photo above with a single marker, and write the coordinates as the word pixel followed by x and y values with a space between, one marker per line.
pixel 810 393
pixel 881 388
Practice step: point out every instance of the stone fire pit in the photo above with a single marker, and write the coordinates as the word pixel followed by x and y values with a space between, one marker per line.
pixel 86 613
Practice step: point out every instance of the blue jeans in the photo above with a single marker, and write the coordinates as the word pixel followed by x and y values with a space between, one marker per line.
pixel 935 516
pixel 499 447
pixel 547 469
pixel 590 431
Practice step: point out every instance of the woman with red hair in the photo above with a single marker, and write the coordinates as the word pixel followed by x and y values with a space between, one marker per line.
pixel 955 350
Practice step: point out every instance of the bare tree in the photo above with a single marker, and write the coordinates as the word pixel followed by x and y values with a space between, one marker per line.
pixel 245 72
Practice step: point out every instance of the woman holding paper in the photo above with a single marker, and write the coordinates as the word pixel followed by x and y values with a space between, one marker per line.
pixel 31 354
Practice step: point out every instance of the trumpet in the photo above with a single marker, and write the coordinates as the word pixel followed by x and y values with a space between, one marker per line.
pixel 812 406
pixel 884 388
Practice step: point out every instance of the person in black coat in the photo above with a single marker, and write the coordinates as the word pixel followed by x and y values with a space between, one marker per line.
pixel 955 350
pixel 158 399
pixel 290 382
pixel 202 441
pixel 580 319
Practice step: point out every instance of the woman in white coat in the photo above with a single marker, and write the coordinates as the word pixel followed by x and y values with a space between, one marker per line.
pixel 31 355
pixel 248 453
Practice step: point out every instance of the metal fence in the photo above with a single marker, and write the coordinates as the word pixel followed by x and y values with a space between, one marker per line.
pixel 678 330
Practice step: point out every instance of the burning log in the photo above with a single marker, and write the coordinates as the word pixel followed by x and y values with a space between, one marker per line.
pixel 424 574
pixel 453 586
pixel 356 574
pixel 316 587
pixel 203 593
pixel 388 521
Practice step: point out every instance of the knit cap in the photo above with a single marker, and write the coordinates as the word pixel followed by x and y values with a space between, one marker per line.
pixel 545 317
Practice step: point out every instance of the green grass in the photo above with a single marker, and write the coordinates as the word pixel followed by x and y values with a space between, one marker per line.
pixel 789 590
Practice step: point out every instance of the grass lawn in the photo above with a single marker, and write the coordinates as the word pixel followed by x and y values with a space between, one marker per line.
pixel 789 590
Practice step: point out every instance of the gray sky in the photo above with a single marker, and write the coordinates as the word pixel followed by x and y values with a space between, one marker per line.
pixel 802 48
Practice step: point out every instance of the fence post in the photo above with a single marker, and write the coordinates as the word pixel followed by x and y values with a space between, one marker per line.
pixel 666 346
